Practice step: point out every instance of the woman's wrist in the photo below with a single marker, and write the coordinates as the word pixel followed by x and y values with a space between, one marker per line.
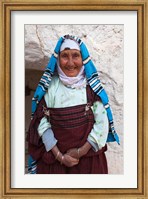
pixel 56 152
pixel 84 149
pixel 62 159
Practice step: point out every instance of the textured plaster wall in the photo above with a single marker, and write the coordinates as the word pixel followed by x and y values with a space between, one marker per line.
pixel 105 44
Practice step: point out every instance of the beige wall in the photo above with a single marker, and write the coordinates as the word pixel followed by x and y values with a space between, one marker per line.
pixel 105 44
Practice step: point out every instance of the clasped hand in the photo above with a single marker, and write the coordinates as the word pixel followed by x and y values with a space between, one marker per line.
pixel 72 156
pixel 69 161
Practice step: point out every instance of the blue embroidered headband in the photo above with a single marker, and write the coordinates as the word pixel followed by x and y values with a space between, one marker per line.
pixel 92 78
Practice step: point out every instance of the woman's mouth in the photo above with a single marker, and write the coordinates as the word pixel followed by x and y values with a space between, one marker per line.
pixel 71 69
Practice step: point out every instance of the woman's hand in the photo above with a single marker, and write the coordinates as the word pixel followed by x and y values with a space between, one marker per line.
pixel 65 159
pixel 74 152
pixel 79 152
pixel 69 161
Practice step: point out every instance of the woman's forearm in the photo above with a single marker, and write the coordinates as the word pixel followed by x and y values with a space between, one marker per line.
pixel 84 149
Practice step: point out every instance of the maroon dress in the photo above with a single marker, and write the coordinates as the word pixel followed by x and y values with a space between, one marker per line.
pixel 71 127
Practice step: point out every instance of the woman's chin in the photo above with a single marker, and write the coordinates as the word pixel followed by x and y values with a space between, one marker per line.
pixel 71 74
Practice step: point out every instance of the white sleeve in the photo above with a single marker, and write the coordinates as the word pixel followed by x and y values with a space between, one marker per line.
pixel 98 135
pixel 43 126
pixel 44 123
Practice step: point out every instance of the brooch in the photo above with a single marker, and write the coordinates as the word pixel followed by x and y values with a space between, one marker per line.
pixel 87 107
pixel 46 112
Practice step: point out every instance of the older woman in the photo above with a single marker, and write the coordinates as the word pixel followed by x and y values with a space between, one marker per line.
pixel 71 115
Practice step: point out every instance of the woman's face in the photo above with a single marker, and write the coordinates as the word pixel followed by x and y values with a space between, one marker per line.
pixel 70 62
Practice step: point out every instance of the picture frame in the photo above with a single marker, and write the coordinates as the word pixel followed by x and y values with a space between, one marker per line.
pixel 5 98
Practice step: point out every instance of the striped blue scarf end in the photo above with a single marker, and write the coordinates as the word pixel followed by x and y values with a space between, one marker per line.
pixel 113 137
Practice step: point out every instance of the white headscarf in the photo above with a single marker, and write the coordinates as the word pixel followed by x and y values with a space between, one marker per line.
pixel 69 43
pixel 74 82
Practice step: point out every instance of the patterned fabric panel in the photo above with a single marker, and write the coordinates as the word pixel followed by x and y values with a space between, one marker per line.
pixel 71 117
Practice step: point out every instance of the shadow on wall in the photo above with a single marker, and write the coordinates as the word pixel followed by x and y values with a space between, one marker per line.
pixel 32 78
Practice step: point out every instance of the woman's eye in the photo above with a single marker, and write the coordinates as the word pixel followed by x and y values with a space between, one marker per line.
pixel 76 55
pixel 64 55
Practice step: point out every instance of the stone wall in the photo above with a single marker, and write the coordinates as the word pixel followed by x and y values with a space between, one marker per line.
pixel 105 44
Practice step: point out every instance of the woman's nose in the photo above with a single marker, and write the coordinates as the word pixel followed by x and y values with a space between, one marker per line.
pixel 70 61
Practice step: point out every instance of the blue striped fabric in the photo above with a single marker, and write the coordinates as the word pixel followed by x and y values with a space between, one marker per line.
pixel 32 166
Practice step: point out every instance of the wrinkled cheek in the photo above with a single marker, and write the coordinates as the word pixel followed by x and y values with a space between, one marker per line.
pixel 62 63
